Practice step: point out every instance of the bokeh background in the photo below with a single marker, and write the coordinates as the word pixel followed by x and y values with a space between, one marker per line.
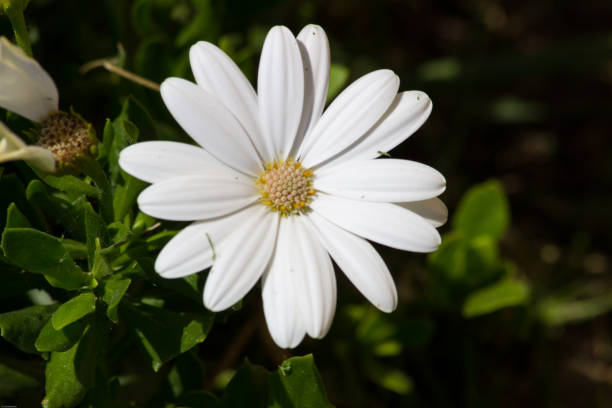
pixel 512 311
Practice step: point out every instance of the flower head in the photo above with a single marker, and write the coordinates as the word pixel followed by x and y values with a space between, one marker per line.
pixel 276 185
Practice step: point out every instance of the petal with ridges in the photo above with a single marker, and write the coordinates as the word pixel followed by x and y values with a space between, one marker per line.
pixel 315 274
pixel 385 223
pixel 198 197
pixel 217 74
pixel 280 86
pixel 405 116
pixel 314 47
pixel 241 260
pixel 433 210
pixel 158 161
pixel 279 293
pixel 193 249
pixel 388 180
pixel 27 89
pixel 349 116
pixel 210 124
pixel 360 262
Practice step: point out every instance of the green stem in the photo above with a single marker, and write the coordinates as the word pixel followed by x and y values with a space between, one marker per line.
pixel 15 15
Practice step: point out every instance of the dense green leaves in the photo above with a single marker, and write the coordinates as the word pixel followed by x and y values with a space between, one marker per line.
pixel 70 373
pixel 50 339
pixel 165 334
pixel 296 383
pixel 21 327
pixel 38 252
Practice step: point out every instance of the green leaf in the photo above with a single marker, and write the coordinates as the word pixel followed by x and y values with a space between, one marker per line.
pixel 95 230
pixel 297 383
pixel 248 388
pixel 12 381
pixel 483 211
pixel 165 334
pixel 60 209
pixel 125 195
pixel 101 266
pixel 560 310
pixel 15 218
pixel 124 133
pixel 70 184
pixel 13 190
pixel 338 75
pixel 76 249
pixel 21 327
pixel 42 253
pixel 91 168
pixel 396 381
pixel 114 289
pixel 463 265
pixel 73 310
pixel 69 374
pixel 506 293
pixel 50 339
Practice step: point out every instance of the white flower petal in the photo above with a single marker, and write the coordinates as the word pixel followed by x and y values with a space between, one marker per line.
pixel 198 197
pixel 210 124
pixel 241 260
pixel 280 86
pixel 314 48
pixel 405 116
pixel 193 249
pixel 10 139
pixel 350 116
pixel 360 262
pixel 157 161
pixel 218 75
pixel 26 87
pixel 389 180
pixel 387 224
pixel 433 210
pixel 280 291
pixel 13 148
pixel 315 274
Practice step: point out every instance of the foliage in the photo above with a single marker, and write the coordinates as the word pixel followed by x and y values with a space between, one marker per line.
pixel 495 317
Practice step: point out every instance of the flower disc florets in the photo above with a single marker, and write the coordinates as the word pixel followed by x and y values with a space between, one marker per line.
pixel 67 136
pixel 285 186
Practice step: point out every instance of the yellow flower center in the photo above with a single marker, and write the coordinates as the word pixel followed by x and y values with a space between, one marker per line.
pixel 285 186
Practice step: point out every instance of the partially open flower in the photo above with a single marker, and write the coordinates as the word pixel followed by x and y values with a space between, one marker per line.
pixel 13 148
pixel 29 91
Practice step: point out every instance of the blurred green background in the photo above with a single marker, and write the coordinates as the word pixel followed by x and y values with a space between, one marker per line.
pixel 512 311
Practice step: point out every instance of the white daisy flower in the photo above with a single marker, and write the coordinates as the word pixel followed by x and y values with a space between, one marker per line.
pixel 278 185
pixel 13 148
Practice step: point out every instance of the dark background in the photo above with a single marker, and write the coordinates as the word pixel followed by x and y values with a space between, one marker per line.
pixel 522 93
